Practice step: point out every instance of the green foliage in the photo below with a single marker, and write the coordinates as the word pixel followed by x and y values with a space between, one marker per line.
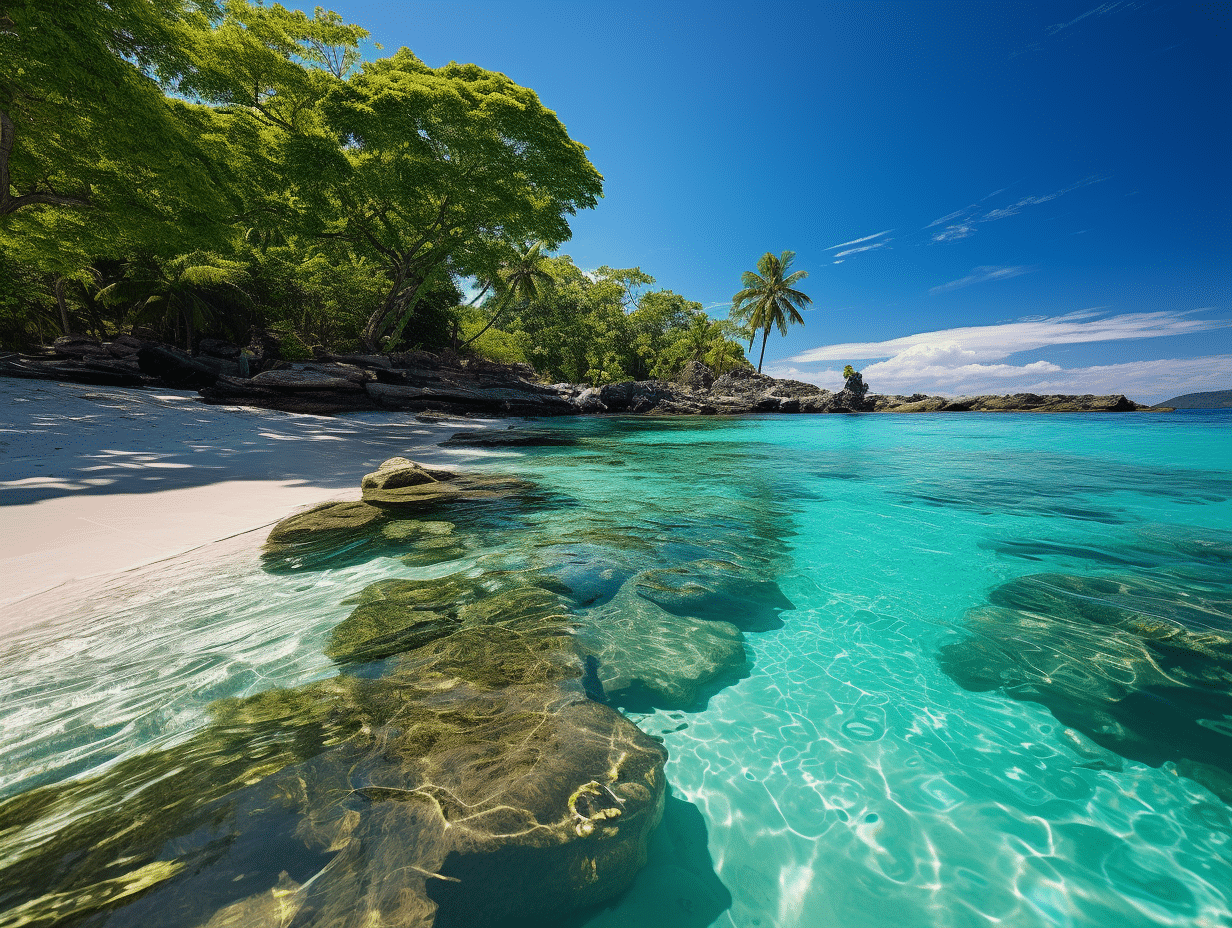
pixel 194 289
pixel 447 167
pixel 848 372
pixel 222 165
pixel 605 327
pixel 769 298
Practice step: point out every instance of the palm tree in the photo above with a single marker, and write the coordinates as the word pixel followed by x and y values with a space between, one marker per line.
pixel 522 279
pixel 769 298
pixel 185 286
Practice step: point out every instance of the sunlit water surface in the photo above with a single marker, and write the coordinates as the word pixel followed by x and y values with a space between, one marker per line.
pixel 847 779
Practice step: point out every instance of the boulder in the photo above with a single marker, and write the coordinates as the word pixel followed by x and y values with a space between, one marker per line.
pixel 319 534
pixel 176 368
pixel 218 348
pixel 1141 667
pixel 401 472
pixel 327 519
pixel 590 400
pixel 648 658
pixel 474 784
pixel 306 378
pixel 712 588
pixel 853 397
pixel 696 376
pixel 512 438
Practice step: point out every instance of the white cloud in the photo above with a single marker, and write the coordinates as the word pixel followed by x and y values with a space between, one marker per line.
pixel 968 218
pixel 857 241
pixel 973 360
pixel 853 251
pixel 979 275
pixel 996 342
pixel 951 217
pixel 1101 10
pixel 1142 381
pixel 839 256
pixel 954 233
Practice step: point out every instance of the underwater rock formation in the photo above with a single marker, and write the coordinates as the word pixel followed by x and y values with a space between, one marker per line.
pixel 1142 667
pixel 648 658
pixel 472 784
pixel 711 588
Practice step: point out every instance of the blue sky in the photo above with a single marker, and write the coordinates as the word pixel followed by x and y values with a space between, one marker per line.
pixel 987 197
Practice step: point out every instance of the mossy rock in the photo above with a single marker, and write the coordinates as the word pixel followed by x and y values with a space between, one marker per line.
pixel 473 785
pixel 379 629
pixel 441 593
pixel 326 523
pixel 719 589
pixel 392 616
pixel 413 531
pixel 397 473
pixel 462 488
pixel 649 658
pixel 1142 667
pixel 515 607
pixel 431 553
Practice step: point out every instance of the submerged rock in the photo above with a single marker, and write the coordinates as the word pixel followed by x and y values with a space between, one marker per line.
pixel 392 616
pixel 473 785
pixel 320 534
pixel 711 588
pixel 1142 667
pixel 517 438
pixel 648 658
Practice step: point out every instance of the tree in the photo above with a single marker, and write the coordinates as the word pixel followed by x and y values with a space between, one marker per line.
pixel 83 120
pixel 192 288
pixel 521 279
pixel 444 168
pixel 769 298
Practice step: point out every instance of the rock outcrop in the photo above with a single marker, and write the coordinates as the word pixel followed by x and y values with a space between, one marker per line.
pixel 1142 667
pixel 426 384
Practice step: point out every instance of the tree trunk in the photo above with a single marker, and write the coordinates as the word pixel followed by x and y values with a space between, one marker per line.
pixel 60 301
pixel 189 334
pixel 496 315
pixel 764 335
pixel 395 303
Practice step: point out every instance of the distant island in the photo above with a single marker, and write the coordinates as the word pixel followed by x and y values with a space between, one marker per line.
pixel 1213 399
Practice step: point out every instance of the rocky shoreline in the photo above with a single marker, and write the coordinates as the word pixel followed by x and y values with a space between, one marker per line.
pixel 419 382
pixel 467 765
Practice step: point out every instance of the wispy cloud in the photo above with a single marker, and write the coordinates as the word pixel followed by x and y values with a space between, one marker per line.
pixel 840 255
pixel 954 232
pixel 979 275
pixel 997 342
pixel 963 222
pixel 1101 10
pixel 857 241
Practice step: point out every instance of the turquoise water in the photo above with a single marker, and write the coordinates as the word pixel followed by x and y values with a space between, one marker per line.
pixel 919 734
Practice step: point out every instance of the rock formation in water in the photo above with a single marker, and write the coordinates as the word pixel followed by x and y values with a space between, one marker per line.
pixel 466 767
pixel 1142 667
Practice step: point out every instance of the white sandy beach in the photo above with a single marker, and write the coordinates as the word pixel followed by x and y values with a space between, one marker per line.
pixel 97 480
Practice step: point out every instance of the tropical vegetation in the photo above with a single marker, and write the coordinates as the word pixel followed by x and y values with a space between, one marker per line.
pixel 770 298
pixel 201 168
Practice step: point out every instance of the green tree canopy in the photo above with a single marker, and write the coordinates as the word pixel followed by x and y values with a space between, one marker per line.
pixel 83 120
pixel 769 298
pixel 445 166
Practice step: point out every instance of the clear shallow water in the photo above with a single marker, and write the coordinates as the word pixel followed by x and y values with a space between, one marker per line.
pixel 846 778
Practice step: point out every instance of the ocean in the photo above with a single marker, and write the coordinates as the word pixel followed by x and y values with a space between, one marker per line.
pixel 915 670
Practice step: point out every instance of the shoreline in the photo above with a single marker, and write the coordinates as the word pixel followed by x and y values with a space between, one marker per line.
pixel 101 480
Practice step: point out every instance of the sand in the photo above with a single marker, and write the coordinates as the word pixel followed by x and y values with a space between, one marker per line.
pixel 98 480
